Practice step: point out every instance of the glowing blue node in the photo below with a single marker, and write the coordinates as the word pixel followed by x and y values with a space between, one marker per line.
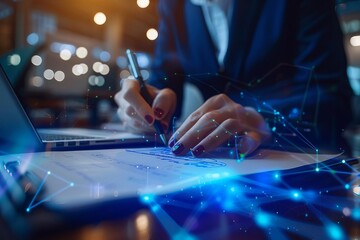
pixel 347 186
pixel 273 129
pixel 356 214
pixel 296 195
pixel 317 169
pixel 335 231
pixel 343 161
pixel 48 172
pixel 262 219
pixel 147 198
pixel 72 184
pixel 232 189
pixel 28 210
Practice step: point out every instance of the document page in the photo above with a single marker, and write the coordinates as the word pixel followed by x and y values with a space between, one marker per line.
pixel 74 178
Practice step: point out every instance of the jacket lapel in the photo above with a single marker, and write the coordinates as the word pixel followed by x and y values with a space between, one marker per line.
pixel 243 22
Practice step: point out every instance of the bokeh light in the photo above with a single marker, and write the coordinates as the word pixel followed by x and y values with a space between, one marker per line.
pixel 36 60
pixel 355 41
pixel 143 3
pixel 59 76
pixel 152 34
pixel 49 74
pixel 14 59
pixel 100 18
pixel 81 52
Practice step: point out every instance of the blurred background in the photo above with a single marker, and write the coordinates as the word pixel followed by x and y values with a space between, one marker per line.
pixel 65 58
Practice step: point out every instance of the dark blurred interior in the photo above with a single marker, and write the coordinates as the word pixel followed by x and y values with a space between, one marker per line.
pixel 65 62
pixel 66 67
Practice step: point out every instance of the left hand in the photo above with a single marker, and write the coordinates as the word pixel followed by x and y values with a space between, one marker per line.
pixel 215 122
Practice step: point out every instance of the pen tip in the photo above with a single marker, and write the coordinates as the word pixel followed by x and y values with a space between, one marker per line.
pixel 163 139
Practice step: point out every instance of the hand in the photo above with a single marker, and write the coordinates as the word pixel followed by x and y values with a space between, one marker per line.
pixel 214 123
pixel 136 113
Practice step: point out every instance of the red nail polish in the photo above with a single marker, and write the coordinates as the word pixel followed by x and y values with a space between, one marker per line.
pixel 158 112
pixel 197 151
pixel 149 119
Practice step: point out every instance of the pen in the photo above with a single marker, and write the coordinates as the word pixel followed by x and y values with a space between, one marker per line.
pixel 134 69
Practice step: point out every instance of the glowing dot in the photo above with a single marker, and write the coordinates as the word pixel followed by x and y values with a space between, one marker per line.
pixel 142 222
pixel 355 41
pixel 48 172
pixel 105 69
pixel 36 60
pixel 99 81
pixel 84 68
pixel 37 81
pixel 59 76
pixel 317 169
pixel 27 209
pixel 65 54
pixel 99 18
pixel 124 74
pixel 49 74
pixel 81 52
pixel 91 80
pixel 232 189
pixel 143 3
pixel 347 186
pixel 273 129
pixel 335 231
pixel 152 34
pixel 346 211
pixel 296 195
pixel 145 74
pixel 262 219
pixel 356 190
pixel 77 70
pixel 97 67
pixel 343 161
pixel 15 59
pixel 105 56
pixel 72 184
pixel 356 213
pixel 32 38
pixel 277 176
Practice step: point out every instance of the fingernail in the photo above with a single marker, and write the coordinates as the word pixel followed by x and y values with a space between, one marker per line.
pixel 149 119
pixel 178 148
pixel 171 142
pixel 158 112
pixel 197 151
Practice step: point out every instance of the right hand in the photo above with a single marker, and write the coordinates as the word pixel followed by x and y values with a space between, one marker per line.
pixel 136 113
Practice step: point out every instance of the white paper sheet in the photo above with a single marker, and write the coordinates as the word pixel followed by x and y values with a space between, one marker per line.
pixel 74 178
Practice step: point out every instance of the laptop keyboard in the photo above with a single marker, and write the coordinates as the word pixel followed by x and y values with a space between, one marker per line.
pixel 60 137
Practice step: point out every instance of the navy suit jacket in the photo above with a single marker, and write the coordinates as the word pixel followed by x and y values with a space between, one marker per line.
pixel 287 53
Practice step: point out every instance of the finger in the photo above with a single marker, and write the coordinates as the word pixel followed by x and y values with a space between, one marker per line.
pixel 246 142
pixel 131 93
pixel 220 101
pixel 164 104
pixel 197 132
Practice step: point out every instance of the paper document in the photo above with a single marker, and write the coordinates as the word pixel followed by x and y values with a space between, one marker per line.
pixel 74 178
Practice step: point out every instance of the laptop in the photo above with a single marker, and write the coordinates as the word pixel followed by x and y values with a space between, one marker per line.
pixel 18 134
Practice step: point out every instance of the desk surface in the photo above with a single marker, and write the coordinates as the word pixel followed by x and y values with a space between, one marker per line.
pixel 301 204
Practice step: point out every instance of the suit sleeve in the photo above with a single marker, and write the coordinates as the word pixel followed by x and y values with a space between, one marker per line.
pixel 166 68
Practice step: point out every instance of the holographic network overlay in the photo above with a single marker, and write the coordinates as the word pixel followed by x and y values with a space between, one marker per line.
pixel 250 199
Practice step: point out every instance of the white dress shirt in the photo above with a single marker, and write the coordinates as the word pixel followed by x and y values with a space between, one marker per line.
pixel 217 14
